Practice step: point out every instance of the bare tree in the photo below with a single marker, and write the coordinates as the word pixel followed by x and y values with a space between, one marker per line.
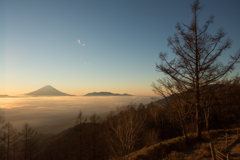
pixel 195 66
pixel 179 111
pixel 78 127
pixel 94 119
pixel 1 123
pixel 28 137
pixel 80 119
pixel 2 145
pixel 124 130
pixel 10 138
pixel 150 137
pixel 226 103
pixel 1 119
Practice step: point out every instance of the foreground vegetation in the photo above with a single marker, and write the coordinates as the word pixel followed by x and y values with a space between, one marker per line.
pixel 174 148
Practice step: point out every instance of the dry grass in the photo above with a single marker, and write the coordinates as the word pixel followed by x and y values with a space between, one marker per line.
pixel 174 155
pixel 173 148
pixel 204 151
pixel 159 150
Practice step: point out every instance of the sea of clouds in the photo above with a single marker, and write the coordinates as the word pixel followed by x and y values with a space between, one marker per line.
pixel 39 111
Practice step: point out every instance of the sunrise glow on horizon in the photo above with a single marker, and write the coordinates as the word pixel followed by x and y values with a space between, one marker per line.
pixel 79 47
pixel 80 91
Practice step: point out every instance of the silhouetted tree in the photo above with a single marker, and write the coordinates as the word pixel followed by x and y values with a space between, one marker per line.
pixel 1 119
pixel 195 66
pixel 141 107
pixel 226 103
pixel 179 112
pixel 94 119
pixel 28 137
pixel 10 139
pixel 150 137
pixel 2 146
pixel 124 130
pixel 78 127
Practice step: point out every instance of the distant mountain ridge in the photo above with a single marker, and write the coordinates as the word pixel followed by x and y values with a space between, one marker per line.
pixel 47 91
pixel 106 94
pixel 7 96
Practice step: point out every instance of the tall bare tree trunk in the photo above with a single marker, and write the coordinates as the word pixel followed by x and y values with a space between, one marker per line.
pixel 195 65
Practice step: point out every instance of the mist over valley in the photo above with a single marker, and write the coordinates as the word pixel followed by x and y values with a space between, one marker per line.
pixel 41 111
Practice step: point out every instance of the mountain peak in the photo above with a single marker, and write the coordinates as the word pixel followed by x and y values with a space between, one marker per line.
pixel 47 90
pixel 48 86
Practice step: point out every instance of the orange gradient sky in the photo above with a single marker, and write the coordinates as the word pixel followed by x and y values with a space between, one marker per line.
pixel 20 90
pixel 85 46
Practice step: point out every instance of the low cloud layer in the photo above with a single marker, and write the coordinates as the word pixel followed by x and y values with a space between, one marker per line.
pixel 56 110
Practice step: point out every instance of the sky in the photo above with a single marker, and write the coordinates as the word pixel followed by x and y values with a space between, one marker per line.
pixel 83 46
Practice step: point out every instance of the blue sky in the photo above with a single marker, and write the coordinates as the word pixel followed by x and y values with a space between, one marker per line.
pixel 119 42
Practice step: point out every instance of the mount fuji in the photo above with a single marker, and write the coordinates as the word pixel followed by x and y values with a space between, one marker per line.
pixel 47 91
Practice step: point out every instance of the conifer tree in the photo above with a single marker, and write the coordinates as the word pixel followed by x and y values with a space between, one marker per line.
pixel 10 139
pixel 28 137
pixel 195 65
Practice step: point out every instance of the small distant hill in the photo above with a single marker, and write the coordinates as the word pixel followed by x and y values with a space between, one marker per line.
pixel 7 96
pixel 4 96
pixel 106 94
pixel 47 91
